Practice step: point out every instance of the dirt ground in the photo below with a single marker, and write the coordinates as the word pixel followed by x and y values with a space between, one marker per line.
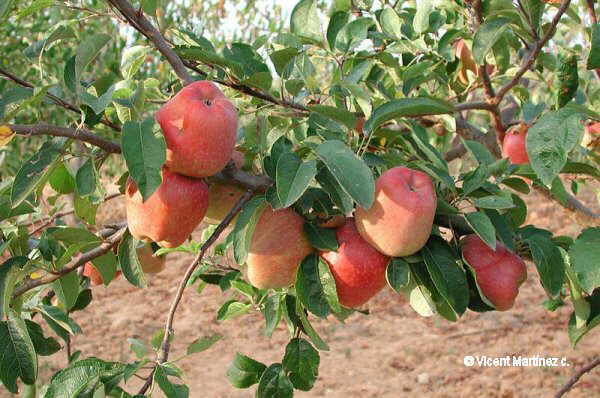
pixel 391 353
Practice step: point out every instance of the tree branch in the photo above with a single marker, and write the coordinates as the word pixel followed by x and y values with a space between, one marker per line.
pixel 166 346
pixel 575 378
pixel 583 215
pixel 80 134
pixel 54 98
pixel 533 54
pixel 115 237
pixel 137 20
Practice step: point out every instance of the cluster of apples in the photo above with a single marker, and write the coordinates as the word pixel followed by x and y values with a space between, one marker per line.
pixel 199 125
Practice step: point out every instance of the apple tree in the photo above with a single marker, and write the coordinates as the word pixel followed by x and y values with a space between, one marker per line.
pixel 345 147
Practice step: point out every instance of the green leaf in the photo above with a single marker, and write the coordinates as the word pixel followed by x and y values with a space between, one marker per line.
pixel 593 61
pixel 132 59
pixel 79 376
pixel 98 104
pixel 106 264
pixel 232 309
pixel 209 57
pixel 61 180
pixel 585 259
pixel 309 289
pixel 43 346
pixel 391 23
pixel 282 58
pixel 305 21
pixel 272 312
pixel 421 19
pixel 301 361
pixel 244 371
pixel 85 209
pixel 34 173
pixel 170 389
pixel 130 264
pixel 203 344
pixel 483 227
pixel 10 271
pixel 321 238
pixel 353 33
pixel 446 273
pixel 550 140
pixel 145 153
pixel 244 227
pixel 338 114
pixel 568 80
pixel 337 194
pixel 479 152
pixel 88 50
pixel 60 318
pixel 397 274
pixel 274 383
pixel 86 178
pixel 36 6
pixel 337 21
pixel 73 236
pixel 517 184
pixel 18 354
pixel 5 8
pixel 494 202
pixel 293 177
pixel 406 107
pixel 576 333
pixel 487 35
pixel 549 263
pixel 349 170
pixel 67 289
pixel 308 328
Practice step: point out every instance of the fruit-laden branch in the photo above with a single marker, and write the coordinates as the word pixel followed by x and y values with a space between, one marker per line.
pixel 163 355
pixel 137 19
pixel 57 100
pixel 80 134
pixel 115 233
pixel 575 378
pixel 534 53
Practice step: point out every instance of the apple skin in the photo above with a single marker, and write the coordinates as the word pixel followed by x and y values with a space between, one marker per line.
pixel 170 215
pixel 150 264
pixel 95 277
pixel 358 269
pixel 499 273
pixel 400 220
pixel 222 197
pixel 593 128
pixel 463 53
pixel 278 247
pixel 200 127
pixel 514 144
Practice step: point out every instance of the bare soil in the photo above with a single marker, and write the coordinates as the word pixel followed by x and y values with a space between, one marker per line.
pixel 393 352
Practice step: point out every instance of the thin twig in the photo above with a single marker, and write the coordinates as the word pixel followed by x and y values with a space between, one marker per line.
pixel 54 98
pixel 575 378
pixel 533 54
pixel 79 262
pixel 80 134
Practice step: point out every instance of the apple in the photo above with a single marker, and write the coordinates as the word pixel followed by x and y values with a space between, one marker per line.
pixel 170 215
pixel 200 127
pixel 277 248
pixel 593 128
pixel 222 197
pixel 514 144
pixel 499 273
pixel 91 272
pixel 150 263
pixel 358 269
pixel 400 220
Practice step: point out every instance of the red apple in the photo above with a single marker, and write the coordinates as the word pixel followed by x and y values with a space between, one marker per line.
pixel 593 128
pixel 358 269
pixel 498 273
pixel 514 144
pixel 400 220
pixel 200 127
pixel 277 248
pixel 171 213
